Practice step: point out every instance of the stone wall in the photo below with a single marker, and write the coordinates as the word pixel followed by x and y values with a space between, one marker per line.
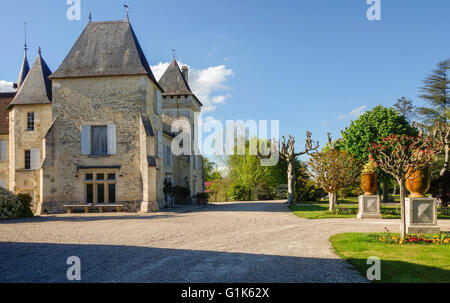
pixel 4 165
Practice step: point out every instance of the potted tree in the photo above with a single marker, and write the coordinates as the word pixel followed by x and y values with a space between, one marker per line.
pixel 369 178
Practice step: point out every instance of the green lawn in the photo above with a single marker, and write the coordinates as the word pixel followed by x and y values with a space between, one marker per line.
pixel 319 210
pixel 399 263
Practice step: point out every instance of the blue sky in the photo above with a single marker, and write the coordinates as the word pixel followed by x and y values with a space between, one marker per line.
pixel 312 64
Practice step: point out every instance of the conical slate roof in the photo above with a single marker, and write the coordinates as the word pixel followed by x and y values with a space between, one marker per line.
pixel 23 70
pixel 36 88
pixel 108 48
pixel 173 82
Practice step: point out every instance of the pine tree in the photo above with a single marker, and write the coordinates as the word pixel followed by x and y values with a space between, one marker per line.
pixel 405 108
pixel 436 91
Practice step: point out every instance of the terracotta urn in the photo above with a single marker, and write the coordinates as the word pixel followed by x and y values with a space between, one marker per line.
pixel 419 182
pixel 369 184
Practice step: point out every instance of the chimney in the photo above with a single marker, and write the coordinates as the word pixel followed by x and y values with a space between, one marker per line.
pixel 185 72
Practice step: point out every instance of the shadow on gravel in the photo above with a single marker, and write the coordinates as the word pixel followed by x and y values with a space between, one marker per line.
pixel 251 206
pixel 83 218
pixel 40 262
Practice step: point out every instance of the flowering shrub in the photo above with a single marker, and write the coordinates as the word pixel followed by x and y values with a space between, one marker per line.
pixel 10 205
pixel 392 238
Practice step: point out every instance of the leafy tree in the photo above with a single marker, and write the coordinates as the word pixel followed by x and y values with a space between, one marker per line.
pixel 405 108
pixel 210 170
pixel 246 171
pixel 436 91
pixel 371 127
pixel 333 170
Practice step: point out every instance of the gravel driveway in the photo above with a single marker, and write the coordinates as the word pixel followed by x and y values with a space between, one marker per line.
pixel 226 242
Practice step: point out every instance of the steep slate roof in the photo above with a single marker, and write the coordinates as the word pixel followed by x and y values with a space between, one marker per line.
pixel 5 100
pixel 24 69
pixel 173 82
pixel 37 88
pixel 147 126
pixel 107 48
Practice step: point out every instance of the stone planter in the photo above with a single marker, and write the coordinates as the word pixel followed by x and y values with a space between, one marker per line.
pixel 419 182
pixel 369 207
pixel 421 216
pixel 369 184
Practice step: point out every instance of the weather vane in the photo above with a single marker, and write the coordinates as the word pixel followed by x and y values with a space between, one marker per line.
pixel 127 8
pixel 25 47
pixel 174 52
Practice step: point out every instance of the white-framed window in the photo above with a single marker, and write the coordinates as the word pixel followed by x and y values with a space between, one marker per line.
pixel 3 150
pixel 98 140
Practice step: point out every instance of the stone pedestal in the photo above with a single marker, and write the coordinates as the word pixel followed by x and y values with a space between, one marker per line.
pixel 421 216
pixel 369 207
pixel 148 207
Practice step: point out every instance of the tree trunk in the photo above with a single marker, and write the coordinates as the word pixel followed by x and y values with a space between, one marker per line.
pixel 385 192
pixel 446 159
pixel 291 180
pixel 394 192
pixel 332 199
pixel 401 184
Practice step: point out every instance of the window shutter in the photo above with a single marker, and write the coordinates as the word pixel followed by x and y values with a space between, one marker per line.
pixel 158 102
pixel 3 150
pixel 166 162
pixel 85 139
pixel 170 157
pixel 35 162
pixel 111 139
pixel 160 143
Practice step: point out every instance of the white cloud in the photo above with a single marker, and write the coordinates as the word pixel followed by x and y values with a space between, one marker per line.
pixel 354 113
pixel 207 84
pixel 6 87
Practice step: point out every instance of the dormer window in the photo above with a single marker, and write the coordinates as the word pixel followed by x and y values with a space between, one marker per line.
pixel 30 121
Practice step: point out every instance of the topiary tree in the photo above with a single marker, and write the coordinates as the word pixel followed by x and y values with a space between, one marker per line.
pixel 372 127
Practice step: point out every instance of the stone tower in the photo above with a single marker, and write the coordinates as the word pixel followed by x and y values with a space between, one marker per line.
pixel 180 102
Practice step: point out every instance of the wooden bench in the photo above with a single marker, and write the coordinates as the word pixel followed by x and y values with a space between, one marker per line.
pixel 100 207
